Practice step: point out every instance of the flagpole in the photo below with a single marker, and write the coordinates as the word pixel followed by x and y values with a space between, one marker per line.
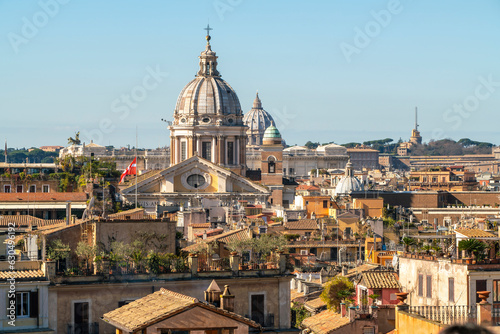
pixel 136 165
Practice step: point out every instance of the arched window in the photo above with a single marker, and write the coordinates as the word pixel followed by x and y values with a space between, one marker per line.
pixel 271 164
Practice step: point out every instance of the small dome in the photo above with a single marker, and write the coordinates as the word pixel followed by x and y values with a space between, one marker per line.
pixel 257 120
pixel 349 183
pixel 272 136
pixel 272 132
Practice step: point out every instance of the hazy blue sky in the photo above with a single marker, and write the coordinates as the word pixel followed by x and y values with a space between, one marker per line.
pixel 327 70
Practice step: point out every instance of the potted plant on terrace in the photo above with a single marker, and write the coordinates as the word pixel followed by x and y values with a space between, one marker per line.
pixel 473 247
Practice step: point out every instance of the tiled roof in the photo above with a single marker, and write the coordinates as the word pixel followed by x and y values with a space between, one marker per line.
pixel 43 197
pixel 26 220
pixel 126 213
pixel 347 215
pixel 200 225
pixel 378 279
pixel 475 233
pixel 316 303
pixel 306 187
pixel 234 235
pixel 22 274
pixel 325 322
pixel 304 224
pixel 362 268
pixel 157 307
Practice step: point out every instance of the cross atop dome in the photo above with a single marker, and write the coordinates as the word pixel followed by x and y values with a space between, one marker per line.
pixel 208 32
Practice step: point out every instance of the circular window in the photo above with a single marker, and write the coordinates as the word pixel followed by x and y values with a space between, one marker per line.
pixel 183 120
pixel 196 180
pixel 206 120
pixel 230 121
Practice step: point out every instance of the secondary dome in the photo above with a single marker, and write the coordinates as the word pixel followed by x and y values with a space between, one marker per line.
pixel 348 183
pixel 208 98
pixel 257 120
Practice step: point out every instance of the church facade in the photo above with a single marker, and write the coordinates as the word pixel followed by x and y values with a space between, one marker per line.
pixel 207 154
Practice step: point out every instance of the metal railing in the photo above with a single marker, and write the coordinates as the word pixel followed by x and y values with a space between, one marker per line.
pixel 447 314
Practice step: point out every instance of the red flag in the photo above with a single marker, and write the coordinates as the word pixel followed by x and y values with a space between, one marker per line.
pixel 131 170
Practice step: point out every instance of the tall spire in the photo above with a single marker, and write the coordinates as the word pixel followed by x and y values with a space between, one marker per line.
pixel 257 103
pixel 416 123
pixel 208 59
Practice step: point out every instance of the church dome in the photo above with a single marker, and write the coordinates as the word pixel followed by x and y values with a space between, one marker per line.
pixel 272 133
pixel 349 183
pixel 272 136
pixel 257 120
pixel 208 99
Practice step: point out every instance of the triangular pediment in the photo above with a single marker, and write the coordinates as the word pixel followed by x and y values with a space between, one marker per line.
pixel 195 175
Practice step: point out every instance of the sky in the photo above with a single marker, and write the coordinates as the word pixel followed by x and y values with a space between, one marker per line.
pixel 328 71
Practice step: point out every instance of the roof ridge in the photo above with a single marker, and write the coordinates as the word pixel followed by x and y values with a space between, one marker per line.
pixel 164 291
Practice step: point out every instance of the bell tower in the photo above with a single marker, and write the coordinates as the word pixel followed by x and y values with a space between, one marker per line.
pixel 272 164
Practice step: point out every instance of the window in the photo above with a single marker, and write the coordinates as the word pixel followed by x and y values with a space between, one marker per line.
pixel 325 204
pixel 496 290
pixel 271 162
pixel 428 288
pixel 196 180
pixel 45 188
pixel 480 286
pixel 230 153
pixel 6 188
pixel 451 289
pixel 81 317
pixel 27 304
pixel 304 252
pixel 420 285
pixel 19 188
pixel 22 304
pixel 183 151
pixel 206 150
pixel 32 188
pixel 257 308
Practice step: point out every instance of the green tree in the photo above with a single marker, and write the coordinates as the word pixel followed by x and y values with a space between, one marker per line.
pixel 473 246
pixel 339 289
pixel 57 250
pixel 86 252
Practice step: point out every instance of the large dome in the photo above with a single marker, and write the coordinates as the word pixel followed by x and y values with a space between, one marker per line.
pixel 349 183
pixel 208 95
pixel 257 120
pixel 208 99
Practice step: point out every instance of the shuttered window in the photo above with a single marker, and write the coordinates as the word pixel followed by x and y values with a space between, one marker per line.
pixel 420 285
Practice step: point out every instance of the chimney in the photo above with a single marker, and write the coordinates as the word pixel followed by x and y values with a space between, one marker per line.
pixel 212 294
pixel 68 212
pixel 227 300
pixel 352 313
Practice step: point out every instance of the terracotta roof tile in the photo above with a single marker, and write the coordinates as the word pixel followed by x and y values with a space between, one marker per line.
pixel 304 224
pixel 200 225
pixel 126 213
pixel 43 197
pixel 325 322
pixel 234 235
pixel 378 279
pixel 475 233
pixel 22 274
pixel 158 306
pixel 316 303
pixel 26 220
